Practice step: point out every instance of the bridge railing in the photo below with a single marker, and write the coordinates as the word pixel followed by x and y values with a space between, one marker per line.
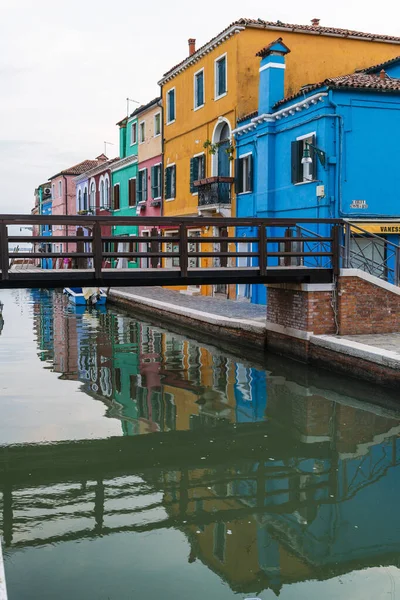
pixel 181 245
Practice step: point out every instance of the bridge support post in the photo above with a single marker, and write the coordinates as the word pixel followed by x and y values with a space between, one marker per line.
pixel 4 255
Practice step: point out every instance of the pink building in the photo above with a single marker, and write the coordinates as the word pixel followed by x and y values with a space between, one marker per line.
pixel 64 202
pixel 149 177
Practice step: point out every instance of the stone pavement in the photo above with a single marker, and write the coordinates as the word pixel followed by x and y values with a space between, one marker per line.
pixel 384 341
pixel 224 308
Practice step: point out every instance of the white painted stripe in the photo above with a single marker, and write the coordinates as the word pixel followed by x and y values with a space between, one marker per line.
pixel 3 588
pixel 272 65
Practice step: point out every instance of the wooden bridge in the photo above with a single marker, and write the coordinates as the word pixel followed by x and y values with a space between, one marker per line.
pixel 79 251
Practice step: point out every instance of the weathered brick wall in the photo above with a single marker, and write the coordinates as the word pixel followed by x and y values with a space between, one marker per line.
pixel 298 309
pixel 367 308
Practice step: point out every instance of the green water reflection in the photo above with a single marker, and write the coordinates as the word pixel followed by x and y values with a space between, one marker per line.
pixel 138 463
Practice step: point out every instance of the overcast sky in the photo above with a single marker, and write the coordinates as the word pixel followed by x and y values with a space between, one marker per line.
pixel 66 69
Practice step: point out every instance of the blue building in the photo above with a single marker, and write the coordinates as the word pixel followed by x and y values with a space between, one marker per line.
pixel 327 151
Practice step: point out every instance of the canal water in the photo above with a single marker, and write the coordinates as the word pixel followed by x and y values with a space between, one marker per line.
pixel 137 463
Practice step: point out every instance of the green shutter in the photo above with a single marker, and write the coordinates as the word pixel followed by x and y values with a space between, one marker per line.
pixel 153 181
pixel 250 174
pixel 193 176
pixel 173 183
pixel 139 188
pixel 168 183
pixel 144 185
pixel 238 176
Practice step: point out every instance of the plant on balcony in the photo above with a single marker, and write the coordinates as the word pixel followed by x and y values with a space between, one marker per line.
pixel 212 148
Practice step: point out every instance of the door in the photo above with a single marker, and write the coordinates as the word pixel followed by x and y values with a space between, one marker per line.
pixel 224 167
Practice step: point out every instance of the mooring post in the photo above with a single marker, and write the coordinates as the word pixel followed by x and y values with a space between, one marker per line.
pixel 4 254
pixel 262 250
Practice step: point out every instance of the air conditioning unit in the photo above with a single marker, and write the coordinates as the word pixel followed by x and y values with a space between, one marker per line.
pixel 47 191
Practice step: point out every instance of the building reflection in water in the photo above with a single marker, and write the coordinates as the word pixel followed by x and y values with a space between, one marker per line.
pixel 272 482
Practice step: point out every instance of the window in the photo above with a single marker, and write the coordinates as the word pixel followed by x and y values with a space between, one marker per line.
pixel 102 199
pixel 107 194
pixel 142 186
pixel 132 192
pixel 221 84
pixel 142 132
pixel 59 189
pixel 156 181
pixel 199 89
pixel 85 199
pixel 133 133
pixel 92 204
pixel 302 173
pixel 197 170
pixel 53 191
pixel 170 182
pixel 244 174
pixel 157 124
pixel 79 200
pixel 116 197
pixel 171 106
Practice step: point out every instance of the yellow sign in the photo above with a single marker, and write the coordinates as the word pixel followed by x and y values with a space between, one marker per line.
pixel 379 228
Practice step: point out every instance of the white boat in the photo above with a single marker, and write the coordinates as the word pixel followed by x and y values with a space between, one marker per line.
pixel 86 296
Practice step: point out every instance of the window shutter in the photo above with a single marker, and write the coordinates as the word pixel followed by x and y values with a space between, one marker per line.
pixel 193 162
pixel 173 182
pixel 168 183
pixel 202 170
pixel 296 162
pixel 145 184
pixel 314 160
pixel 153 182
pixel 250 173
pixel 116 197
pixel 238 176
pixel 221 76
pixel 132 192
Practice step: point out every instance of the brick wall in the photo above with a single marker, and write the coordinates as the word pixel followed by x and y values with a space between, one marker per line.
pixel 291 306
pixel 367 308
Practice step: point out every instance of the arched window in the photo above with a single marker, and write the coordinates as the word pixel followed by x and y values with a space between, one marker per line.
pixel 102 199
pixel 85 199
pixel 92 205
pixel 79 199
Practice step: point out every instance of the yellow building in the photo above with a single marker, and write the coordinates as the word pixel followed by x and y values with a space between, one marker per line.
pixel 206 94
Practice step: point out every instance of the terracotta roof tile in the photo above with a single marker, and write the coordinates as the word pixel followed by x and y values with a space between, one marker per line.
pixel 78 169
pixel 357 80
pixel 248 116
pixel 379 66
pixel 279 26
pixel 264 51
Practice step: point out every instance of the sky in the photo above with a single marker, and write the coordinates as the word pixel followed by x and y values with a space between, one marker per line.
pixel 66 69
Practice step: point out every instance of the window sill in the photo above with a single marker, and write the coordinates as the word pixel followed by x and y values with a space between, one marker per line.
pixel 248 192
pixel 170 122
pixel 157 135
pixel 306 182
pixel 169 199
pixel 116 209
pixel 198 107
pixel 221 96
pixel 157 198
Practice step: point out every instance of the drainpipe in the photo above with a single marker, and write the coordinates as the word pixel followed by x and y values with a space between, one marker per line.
pixel 339 152
pixel 66 206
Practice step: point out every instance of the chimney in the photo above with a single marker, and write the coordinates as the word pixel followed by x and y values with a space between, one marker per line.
pixel 382 74
pixel 272 75
pixel 101 158
pixel 192 46
pixel 315 22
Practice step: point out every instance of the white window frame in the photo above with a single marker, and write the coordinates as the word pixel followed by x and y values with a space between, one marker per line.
pixel 107 191
pixel 307 166
pixel 53 191
pixel 170 199
pixel 195 91
pixel 158 114
pixel 60 189
pixel 216 96
pixel 142 123
pixel 245 155
pixel 134 125
pixel 168 102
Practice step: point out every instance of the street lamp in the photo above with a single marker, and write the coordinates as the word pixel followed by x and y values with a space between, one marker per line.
pixel 306 160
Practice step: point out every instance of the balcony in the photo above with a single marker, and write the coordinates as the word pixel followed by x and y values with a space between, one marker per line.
pixel 215 195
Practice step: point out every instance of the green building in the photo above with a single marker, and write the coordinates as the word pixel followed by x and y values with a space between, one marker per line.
pixel 124 174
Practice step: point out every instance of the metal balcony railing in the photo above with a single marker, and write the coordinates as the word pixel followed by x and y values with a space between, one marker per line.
pixel 214 190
